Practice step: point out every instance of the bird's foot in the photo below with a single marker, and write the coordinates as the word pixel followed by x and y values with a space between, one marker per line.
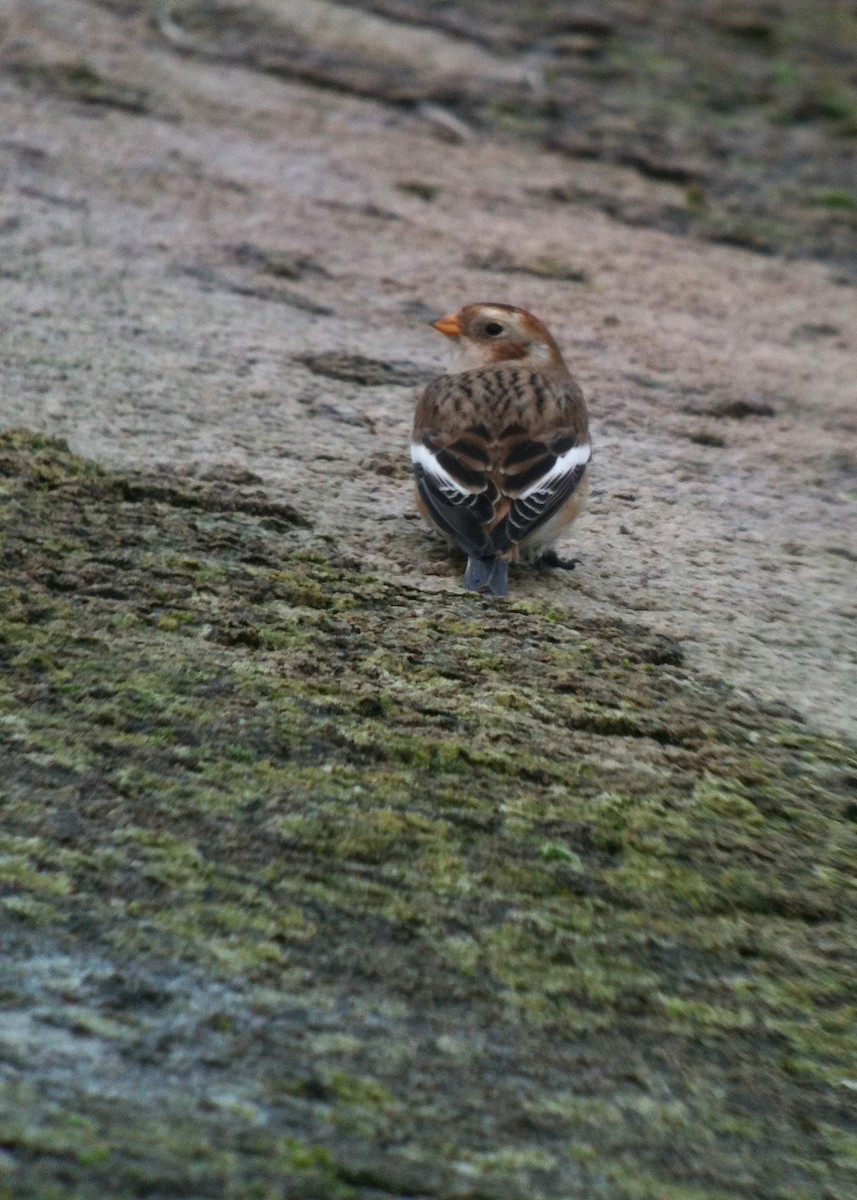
pixel 550 558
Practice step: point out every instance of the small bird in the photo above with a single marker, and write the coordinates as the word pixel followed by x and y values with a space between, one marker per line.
pixel 500 450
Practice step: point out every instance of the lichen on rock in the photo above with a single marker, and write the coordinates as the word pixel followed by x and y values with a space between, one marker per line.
pixel 321 886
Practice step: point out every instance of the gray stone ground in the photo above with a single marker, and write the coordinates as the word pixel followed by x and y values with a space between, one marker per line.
pixel 319 879
pixel 136 327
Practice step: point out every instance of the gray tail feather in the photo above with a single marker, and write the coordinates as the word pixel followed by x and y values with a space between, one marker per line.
pixel 487 575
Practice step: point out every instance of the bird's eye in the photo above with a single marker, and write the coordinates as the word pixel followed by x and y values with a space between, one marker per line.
pixel 493 329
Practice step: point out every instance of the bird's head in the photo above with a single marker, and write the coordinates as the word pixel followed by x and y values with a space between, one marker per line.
pixel 493 333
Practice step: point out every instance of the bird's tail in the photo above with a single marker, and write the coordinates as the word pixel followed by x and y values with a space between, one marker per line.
pixel 487 575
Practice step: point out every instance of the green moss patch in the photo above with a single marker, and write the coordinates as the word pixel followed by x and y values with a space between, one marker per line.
pixel 317 886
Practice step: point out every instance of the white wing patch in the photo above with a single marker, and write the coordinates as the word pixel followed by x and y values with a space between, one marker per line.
pixel 423 457
pixel 577 456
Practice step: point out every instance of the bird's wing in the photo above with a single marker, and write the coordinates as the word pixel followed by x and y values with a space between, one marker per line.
pixel 456 490
pixel 542 456
pixel 449 452
pixel 539 477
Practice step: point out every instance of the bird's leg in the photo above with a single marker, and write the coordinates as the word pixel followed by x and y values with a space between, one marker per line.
pixel 550 558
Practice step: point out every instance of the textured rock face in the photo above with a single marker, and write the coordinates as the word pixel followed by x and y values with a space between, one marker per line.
pixel 237 270
pixel 316 883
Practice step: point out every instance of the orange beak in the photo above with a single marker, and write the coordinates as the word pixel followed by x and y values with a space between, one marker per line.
pixel 448 326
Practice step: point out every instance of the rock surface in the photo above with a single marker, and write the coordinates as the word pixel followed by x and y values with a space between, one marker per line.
pixel 320 878
pixel 172 274
pixel 315 887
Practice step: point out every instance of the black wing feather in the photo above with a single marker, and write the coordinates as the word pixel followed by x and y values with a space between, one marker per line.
pixel 461 515
pixel 528 512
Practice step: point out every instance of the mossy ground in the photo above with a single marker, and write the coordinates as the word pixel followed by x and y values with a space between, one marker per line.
pixel 315 886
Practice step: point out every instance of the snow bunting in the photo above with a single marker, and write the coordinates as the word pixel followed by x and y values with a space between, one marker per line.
pixel 500 450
